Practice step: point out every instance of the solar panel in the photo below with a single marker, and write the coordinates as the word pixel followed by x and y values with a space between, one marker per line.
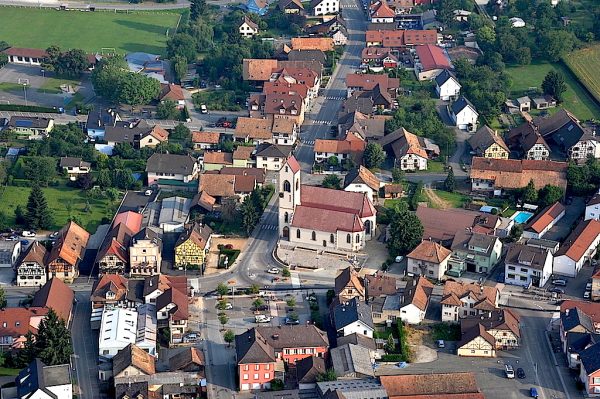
pixel 23 123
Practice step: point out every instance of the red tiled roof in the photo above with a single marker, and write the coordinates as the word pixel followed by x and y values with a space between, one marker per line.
pixel 441 385
pixel 337 200
pixel 132 220
pixel 257 69
pixel 579 241
pixel 70 245
pixel 432 57
pixel 19 321
pixel 400 38
pixel 430 251
pixel 312 43
pixel 591 309
pixel 57 296
pixel 218 157
pixel 545 217
pixel 206 137
pixel 171 92
pixel 26 52
pixel 368 81
pixel 382 10
pixel 339 146
pixel 326 220
pixel 293 164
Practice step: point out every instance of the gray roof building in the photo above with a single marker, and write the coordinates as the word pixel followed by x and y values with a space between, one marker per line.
pixel 353 310
pixel 351 360
pixel 39 377
pixel 170 163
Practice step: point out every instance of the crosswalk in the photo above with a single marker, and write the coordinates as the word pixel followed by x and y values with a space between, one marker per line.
pixel 322 122
pixel 333 98
pixel 308 142
pixel 268 227
pixel 349 6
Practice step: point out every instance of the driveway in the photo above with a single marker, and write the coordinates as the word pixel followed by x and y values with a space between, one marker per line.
pixel 562 228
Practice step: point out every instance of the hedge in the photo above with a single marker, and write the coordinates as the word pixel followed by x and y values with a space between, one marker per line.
pixel 27 108
pixel 393 357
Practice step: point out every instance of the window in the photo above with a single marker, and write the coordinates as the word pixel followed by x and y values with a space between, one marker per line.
pixel 313 236
pixel 267 366
pixel 331 238
pixel 286 218
pixel 245 376
pixel 267 376
pixel 357 238
pixel 348 239
pixel 287 187
pixel 256 367
pixel 298 233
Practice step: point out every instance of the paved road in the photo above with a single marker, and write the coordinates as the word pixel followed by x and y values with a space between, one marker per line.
pixel 99 4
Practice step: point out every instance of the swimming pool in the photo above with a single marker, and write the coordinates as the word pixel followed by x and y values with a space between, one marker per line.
pixel 522 217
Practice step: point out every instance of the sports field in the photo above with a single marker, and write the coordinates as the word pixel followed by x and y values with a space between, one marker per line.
pixel 584 64
pixel 90 31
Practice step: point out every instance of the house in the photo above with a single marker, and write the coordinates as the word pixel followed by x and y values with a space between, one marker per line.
pixel 352 316
pixel 271 157
pixel 351 148
pixel 442 225
pixel 16 323
pixel 172 310
pixel 400 39
pixel 503 325
pixel 357 126
pixel 262 351
pixel 527 266
pixel 488 143
pixel 362 180
pixel 432 60
pixel 588 146
pixel 577 332
pixel 26 56
pixel 496 175
pixel 380 284
pixel 365 82
pixel 172 92
pixel 324 7
pixel 148 64
pixel 431 385
pixel 544 221
pixel 290 85
pixel 379 57
pixel 579 247
pixel 348 285
pixel 259 7
pixel 415 300
pixel 590 369
pixel 57 296
pixel 524 103
pixel 66 253
pixel 592 208
pixel 428 259
pixel 476 342
pixel 222 187
pixel 133 361
pixel 315 43
pixel 285 106
pixel 172 171
pixel 447 86
pixel 140 135
pixel 258 69
pixel 291 6
pixel 309 215
pixel 216 160
pixel 352 361
pixel 9 253
pixel 408 149
pixel 285 131
pixel 38 381
pixel 379 98
pixel 145 252
pixel 382 13
pixel 74 166
pixel 253 130
pixel 110 291
pixel 206 140
pixel 192 247
pixel 188 360
pixel 393 190
pixel 340 36
pixel 478 252
pixel 31 269
pixel 460 300
pixel 326 27
pixel 248 27
pixel 155 286
pixel 98 120
pixel 118 329
pixel 526 140
pixel 544 102
pixel 30 127
pixel 242 157
pixel 113 254
pixel 308 371
pixel 463 114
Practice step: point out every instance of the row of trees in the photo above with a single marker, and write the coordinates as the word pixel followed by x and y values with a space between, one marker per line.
pixel 253 206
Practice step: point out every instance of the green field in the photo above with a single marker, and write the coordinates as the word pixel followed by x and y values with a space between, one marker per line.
pixel 584 63
pixel 60 199
pixel 577 100
pixel 90 31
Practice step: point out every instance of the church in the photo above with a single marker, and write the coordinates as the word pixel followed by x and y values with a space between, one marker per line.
pixel 333 219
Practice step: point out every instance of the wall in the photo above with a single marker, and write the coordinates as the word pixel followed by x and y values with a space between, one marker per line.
pixel 250 377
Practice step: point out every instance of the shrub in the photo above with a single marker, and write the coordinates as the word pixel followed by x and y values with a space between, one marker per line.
pixel 393 357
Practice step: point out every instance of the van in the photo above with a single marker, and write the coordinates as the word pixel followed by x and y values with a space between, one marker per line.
pixel 560 282
pixel 510 372
pixel 203 109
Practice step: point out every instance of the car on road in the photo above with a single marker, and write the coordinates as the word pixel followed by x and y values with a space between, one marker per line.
pixel 520 373
pixel 509 371
pixel 203 109
pixel 148 193
pixel 261 308
pixel 24 243
pixel 587 295
pixel 556 290
pixel 12 238
pixel 274 270
pixel 290 321
pixel 440 343
pixel 28 233
pixel 560 282
pixel 228 306
pixel 261 318
pixel 533 393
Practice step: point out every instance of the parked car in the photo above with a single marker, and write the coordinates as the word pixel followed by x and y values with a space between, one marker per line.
pixel 441 343
pixel 24 243
pixel 560 282
pixel 12 238
pixel 27 233
pixel 533 393
pixel 273 270
pixel 587 295
pixel 148 193
pixel 203 109
pixel 520 373
pixel 509 371
pixel 228 306
pixel 261 308
pixel 588 286
pixel 399 259
pixel 556 290
pixel 261 318
pixel 190 337
pixel 53 235
pixel 290 321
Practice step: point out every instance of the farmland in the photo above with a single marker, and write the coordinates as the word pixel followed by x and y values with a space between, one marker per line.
pixel 89 31
pixel 584 63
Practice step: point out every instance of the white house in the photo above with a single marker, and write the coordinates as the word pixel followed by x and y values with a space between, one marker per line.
pixel 463 114
pixel 9 253
pixel 362 180
pixel 171 169
pixel 74 167
pixel 248 28
pixel 578 248
pixel 544 221
pixel 38 381
pixel 447 86
pixel 325 7
pixel 527 265
pixel 415 300
pixel 382 13
pixel 592 208
pixel 272 156
pixel 428 259
pixel 587 146
pixel 353 317
pixel 118 328
pixel 460 300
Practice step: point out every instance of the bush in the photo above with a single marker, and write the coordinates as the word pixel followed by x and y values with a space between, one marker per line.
pixel 230 254
pixel 393 357
pixel 316 318
pixel 330 295
pixel 27 108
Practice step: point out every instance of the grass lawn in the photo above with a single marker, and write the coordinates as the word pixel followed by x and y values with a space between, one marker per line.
pixel 456 199
pixel 4 371
pixel 583 64
pixel 9 86
pixel 52 85
pixel 90 31
pixel 392 202
pixel 435 167
pixel 576 99
pixel 60 199
pixel 219 100
pixel 445 331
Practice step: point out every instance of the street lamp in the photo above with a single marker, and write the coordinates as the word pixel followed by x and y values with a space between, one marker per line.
pixel 25 83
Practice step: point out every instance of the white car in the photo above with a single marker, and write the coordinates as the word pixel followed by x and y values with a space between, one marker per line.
pixel 261 318
pixel 588 286
pixel 27 233
pixel 273 270
pixel 228 306
pixel 587 295
pixel 399 259
pixel 148 193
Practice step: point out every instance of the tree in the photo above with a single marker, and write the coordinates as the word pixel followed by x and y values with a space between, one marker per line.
pixel 53 340
pixel 406 231
pixel 554 85
pixel 450 183
pixel 52 55
pixel 71 63
pixel 2 299
pixel 42 169
pixel 167 109
pixel 179 67
pixel 29 351
pixel 183 45
pixel 104 180
pixel 556 43
pixel 332 181
pixel 197 9
pixel 530 194
pixel 257 303
pixel 19 215
pixel 122 178
pixel 515 232
pixel 333 161
pixel 222 289
pixel 549 194
pixel 229 337
pixel 181 132
pixel 107 77
pixel 390 345
pixel 223 319
pixel 522 56
pixel 397 175
pixel 38 215
pixel 486 36
pixel 285 272
pixel 291 302
pixel 137 89
pixel 328 375
pixel 250 215
pixel 374 155
pixel 254 289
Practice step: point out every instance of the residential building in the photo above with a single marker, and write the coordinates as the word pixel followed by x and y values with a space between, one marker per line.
pixel 248 27
pixel 29 127
pixel 382 13
pixel 308 371
pixel 188 360
pixel 140 135
pixel 460 300
pixel 402 38
pixel 428 259
pixel 172 92
pixel 113 255
pixel 544 221
pixel 133 361
pixel 271 157
pixel 172 311
pixel 463 114
pixel 589 373
pixel 155 286
pixel 26 56
pixel 285 131
pixel 443 225
pixel 488 143
pixel 112 291
pixel 348 285
pixel 431 385
pixel 74 167
pixel 206 140
pixel 145 252
pixel 379 57
pixel 476 342
pixel 351 147
pixel 362 180
pixel 172 171
pixel 432 60
pixel 526 140
pixel 314 43
pixel 98 120
pixel 242 157
pixel 352 361
pixel 579 247
pixel 224 187
pixel 118 329
pixel 174 212
pixel 365 82
pixel 527 266
pixel 380 284
pixel 38 381
pixel 310 215
pixel 324 7
pixel 353 316
pixel 502 324
pixel 478 252
pixel 192 247
pixel 16 323
pixel 216 160
pixel 577 332
pixel 447 86
pixel 355 126
pixel 57 296
pixel 253 130
pixel 415 300
pixel 66 253
pixel 410 151
pixel 291 6
pixel 496 175
pixel 258 70
pixel 9 253
pixel 31 270
pixel 592 208
pixel 588 146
